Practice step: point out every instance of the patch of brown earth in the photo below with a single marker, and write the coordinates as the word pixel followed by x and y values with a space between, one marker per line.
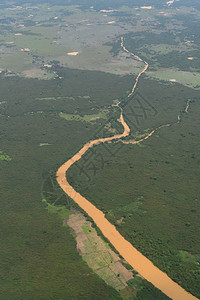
pixel 97 253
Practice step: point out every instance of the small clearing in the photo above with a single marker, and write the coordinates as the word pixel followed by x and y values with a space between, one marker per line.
pixel 93 249
pixel 98 254
pixel 111 22
pixel 44 144
pixel 72 53
pixel 86 118
pixel 146 7
pixel 191 79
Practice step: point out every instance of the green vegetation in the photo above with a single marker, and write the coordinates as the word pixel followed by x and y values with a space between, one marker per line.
pixel 149 191
pixel 61 211
pixel 94 248
pixel 44 144
pixel 47 98
pixel 86 118
pixel 38 256
pixel 62 98
pixel 185 78
pixel 98 254
pixel 153 189
pixel 143 290
pixel 4 156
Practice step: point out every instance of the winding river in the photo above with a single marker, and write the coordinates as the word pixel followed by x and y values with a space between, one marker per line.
pixel 138 261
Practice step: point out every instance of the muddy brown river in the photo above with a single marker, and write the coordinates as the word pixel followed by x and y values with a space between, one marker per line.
pixel 138 261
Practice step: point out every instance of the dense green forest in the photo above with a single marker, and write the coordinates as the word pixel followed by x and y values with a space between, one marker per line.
pixel 150 190
pixel 52 103
pixel 38 255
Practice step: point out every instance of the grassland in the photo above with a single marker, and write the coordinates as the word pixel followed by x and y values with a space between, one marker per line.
pixel 56 98
pixel 182 77
pixel 86 118
pixel 47 35
pixel 50 32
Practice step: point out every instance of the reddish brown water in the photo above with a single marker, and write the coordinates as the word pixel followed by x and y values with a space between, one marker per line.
pixel 138 261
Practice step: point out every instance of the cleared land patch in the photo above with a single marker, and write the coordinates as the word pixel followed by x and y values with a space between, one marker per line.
pixel 55 98
pixel 93 249
pixel 99 58
pixel 97 253
pixel 87 118
pixel 165 48
pixel 191 79
pixel 44 144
